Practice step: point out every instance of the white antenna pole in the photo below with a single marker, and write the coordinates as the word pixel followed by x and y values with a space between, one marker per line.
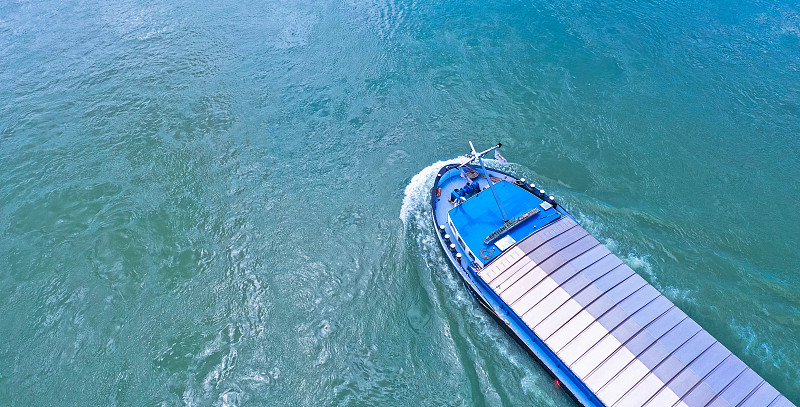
pixel 489 178
pixel 481 154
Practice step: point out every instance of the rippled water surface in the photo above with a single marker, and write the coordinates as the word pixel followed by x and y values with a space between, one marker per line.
pixel 223 203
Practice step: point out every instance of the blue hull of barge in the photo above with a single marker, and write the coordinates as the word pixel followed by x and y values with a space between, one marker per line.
pixel 510 322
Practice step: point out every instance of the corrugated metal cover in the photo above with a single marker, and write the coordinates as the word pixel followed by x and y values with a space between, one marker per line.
pixel 628 343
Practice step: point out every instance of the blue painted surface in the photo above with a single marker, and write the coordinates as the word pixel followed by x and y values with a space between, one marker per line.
pixel 479 216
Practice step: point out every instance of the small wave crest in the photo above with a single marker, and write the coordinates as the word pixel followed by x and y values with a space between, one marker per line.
pixel 641 263
pixel 417 190
pixel 415 214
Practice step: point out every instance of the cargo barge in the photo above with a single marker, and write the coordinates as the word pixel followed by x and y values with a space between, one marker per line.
pixel 607 336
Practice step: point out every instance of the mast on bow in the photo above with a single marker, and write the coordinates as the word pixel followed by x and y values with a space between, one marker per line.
pixel 475 156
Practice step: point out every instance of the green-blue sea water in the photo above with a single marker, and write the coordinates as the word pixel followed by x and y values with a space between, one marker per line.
pixel 224 203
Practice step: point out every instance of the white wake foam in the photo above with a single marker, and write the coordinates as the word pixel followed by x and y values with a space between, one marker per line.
pixel 416 193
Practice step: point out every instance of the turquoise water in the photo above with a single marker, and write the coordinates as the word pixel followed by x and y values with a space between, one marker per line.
pixel 223 203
